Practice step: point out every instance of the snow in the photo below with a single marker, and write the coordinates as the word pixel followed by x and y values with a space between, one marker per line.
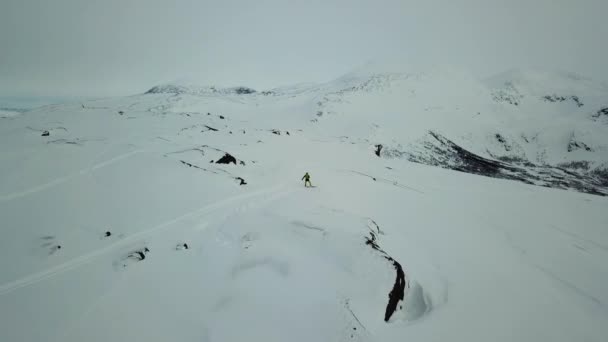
pixel 485 259
pixel 5 113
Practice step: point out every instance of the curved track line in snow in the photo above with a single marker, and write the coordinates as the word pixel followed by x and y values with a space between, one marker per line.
pixel 86 258
pixel 4 198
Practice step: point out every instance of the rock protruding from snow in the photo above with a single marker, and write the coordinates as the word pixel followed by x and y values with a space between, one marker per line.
pixel 199 90
pixel 397 293
pixel 227 159
pixel 437 150
pixel 558 98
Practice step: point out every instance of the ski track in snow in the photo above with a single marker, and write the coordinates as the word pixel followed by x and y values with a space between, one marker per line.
pixel 42 187
pixel 86 258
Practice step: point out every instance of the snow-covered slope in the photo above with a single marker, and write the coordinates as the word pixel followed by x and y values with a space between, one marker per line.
pixel 542 128
pixel 121 220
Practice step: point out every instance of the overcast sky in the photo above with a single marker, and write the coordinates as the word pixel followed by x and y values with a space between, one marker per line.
pixel 115 47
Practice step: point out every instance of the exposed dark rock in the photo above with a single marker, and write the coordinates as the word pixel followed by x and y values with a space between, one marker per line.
pixel 139 254
pixel 46 133
pixel 243 90
pixel 576 100
pixel 574 145
pixel 508 95
pixel 601 175
pixel 515 160
pixel 503 142
pixel 211 129
pixel 500 138
pixel 222 117
pixel 108 234
pixel 121 112
pixel 577 165
pixel 397 293
pixel 274 131
pixel 378 149
pixel 226 159
pixel 554 98
pixel 602 111
pixel 557 98
pixel 241 181
pixel 444 153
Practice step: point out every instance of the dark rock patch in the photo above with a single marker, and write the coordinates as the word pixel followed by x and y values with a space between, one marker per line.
pixel 601 175
pixel 209 128
pixel 138 255
pixel 241 181
pixel 503 142
pixel 554 98
pixel 576 165
pixel 378 149
pixel 500 138
pixel 508 95
pixel 46 133
pixel 397 292
pixel 558 98
pixel 244 90
pixel 574 145
pixel 226 159
pixel 444 153
pixel 602 111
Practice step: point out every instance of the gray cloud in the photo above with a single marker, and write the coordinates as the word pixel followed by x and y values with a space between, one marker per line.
pixel 112 47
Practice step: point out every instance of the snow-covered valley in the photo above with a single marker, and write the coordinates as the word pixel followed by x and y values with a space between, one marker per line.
pixel 180 214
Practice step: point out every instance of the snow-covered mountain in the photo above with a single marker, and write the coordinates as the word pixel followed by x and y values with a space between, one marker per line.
pixel 180 214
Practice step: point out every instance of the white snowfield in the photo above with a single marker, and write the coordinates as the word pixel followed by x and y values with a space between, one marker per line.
pixel 120 225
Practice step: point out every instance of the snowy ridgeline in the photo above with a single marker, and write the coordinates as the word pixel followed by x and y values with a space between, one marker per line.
pixel 442 208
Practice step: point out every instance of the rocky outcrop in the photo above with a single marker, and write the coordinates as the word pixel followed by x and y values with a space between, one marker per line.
pixel 226 159
pixel 437 150
pixel 397 292
pixel 558 98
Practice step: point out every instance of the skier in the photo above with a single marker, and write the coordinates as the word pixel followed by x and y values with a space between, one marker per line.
pixel 306 179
